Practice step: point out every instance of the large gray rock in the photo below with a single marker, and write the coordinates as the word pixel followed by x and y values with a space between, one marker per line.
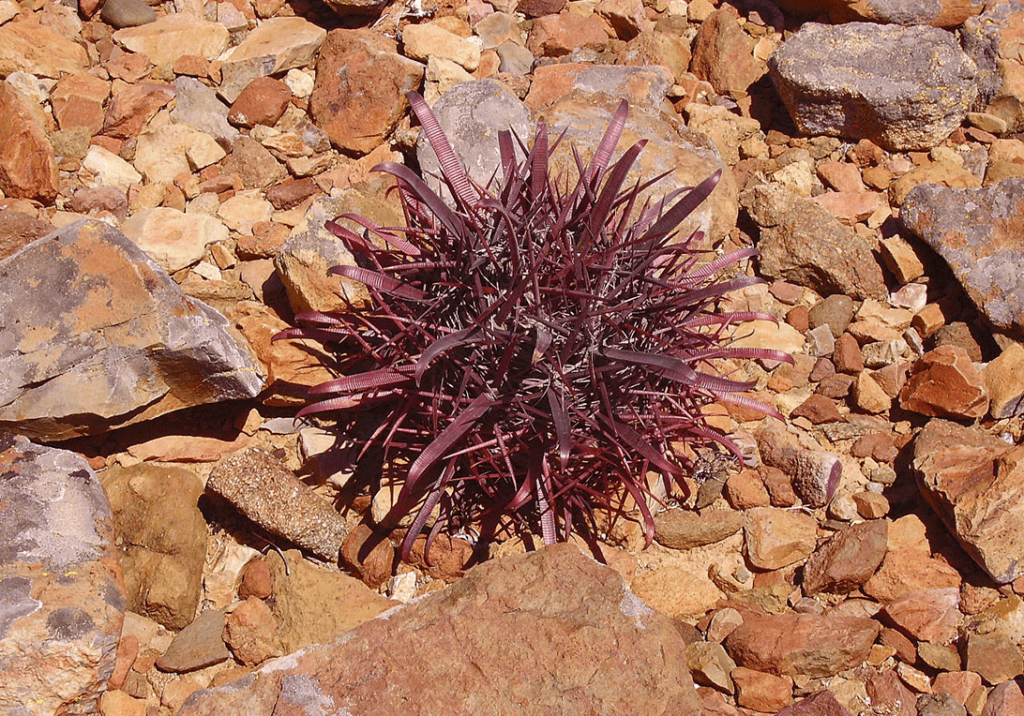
pixel 97 336
pixel 549 632
pixel 901 87
pixel 977 232
pixel 61 594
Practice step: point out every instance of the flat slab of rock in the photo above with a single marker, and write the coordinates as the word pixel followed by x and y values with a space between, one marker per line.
pixel 975 482
pixel 172 36
pixel 97 336
pixel 275 46
pixel 977 232
pixel 496 642
pixel 61 593
pixel 854 80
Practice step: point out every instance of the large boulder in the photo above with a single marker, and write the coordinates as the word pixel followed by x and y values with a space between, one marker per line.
pixel 540 633
pixel 857 80
pixel 97 336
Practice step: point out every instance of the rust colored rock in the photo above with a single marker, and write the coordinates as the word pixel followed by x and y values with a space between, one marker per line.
pixel 760 691
pixel 885 689
pixel 847 356
pixel 847 560
pixel 776 538
pixel 359 93
pixel 802 644
pixel 28 168
pixel 374 567
pixel 249 632
pixel 539 8
pixel 131 108
pixel 722 54
pixel 255 579
pixel 818 409
pixel 930 615
pixel 78 100
pixel 558 35
pixel 291 192
pixel 994 656
pixel 944 383
pixel 263 101
pixel 822 703
pixel 974 481
pixel 18 229
pixel 905 570
pixel 494 642
pixel 448 559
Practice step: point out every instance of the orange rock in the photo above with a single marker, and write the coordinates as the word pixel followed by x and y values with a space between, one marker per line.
pixel 944 383
pixel 28 168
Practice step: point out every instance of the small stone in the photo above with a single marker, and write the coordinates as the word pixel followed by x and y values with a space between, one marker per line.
pixel 263 101
pixel 868 395
pixel 127 13
pixel 249 632
pixel 944 383
pixel 871 505
pixel 242 211
pixel 994 656
pixel 558 35
pixel 110 170
pixel 172 36
pixel 901 259
pixel 847 355
pixel 276 45
pixel 939 657
pixel 710 665
pixel 196 646
pixel 776 538
pixel 1004 380
pixel 745 490
pixel 255 580
pixel 906 570
pixel 173 239
pixel 760 691
pixel 836 311
pixel 430 40
pixel 818 409
pixel 847 560
pixel 28 167
pixel 927 614
pixel 683 529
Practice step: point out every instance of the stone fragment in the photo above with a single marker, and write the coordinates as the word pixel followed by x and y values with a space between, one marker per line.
pixel 131 109
pixel 776 538
pixel 167 151
pixel 276 45
pixel 710 665
pixel 906 569
pixel 838 80
pixel 901 259
pixel 886 691
pixel 1005 699
pixel 977 232
pixel 930 615
pixel 847 560
pixel 868 395
pixel 269 494
pixel 558 35
pixel 803 244
pixel 243 210
pixel 263 101
pixel 28 168
pixel 108 169
pixel 127 13
pixel 256 166
pixel 639 85
pixel 818 409
pixel 162 539
pixel 61 592
pixel 815 474
pixel 729 131
pixel 1004 380
pixel 77 101
pixel 40 50
pixel 945 13
pixel 199 644
pixel 18 229
pixel 760 691
pixel 98 336
pixel 994 657
pixel 745 490
pixel 802 644
pixel 569 603
pixel 173 238
pixel 972 481
pixel 683 529
pixel 100 199
pixel 944 383
pixel 197 106
pixel 249 632
pixel 822 703
pixel 429 39
pixel 360 88
pixel 722 55
pixel 172 36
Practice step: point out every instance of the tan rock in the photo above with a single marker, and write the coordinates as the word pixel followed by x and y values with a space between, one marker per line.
pixel 776 538
pixel 131 109
pixel 868 395
pixel 172 238
pixel 421 42
pixel 930 615
pixel 685 529
pixel 173 36
pixel 245 209
pixel 944 383
pixel 995 657
pixel 849 208
pixel 906 570
pixel 902 259
pixel 164 152
pixel 28 167
pixel 760 691
pixel 108 169
pixel 249 631
pixel 1004 379
pixel 275 46
pixel 30 47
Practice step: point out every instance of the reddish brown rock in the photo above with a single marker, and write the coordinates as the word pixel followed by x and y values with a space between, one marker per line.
pixel 371 557
pixel 847 560
pixel 17 229
pixel 776 538
pixel 905 570
pixel 263 101
pixel 974 482
pixel 930 615
pixel 249 632
pixel 291 192
pixel 722 54
pixel 847 356
pixel 745 490
pixel 958 684
pixel 359 93
pixel 802 644
pixel 822 703
pixel 255 579
pixel 818 409
pixel 760 691
pixel 944 383
pixel 558 35
pixel 885 689
pixel 994 656
pixel 518 617
pixel 78 101
pixel 131 108
pixel 540 8
pixel 1005 699
pixel 28 168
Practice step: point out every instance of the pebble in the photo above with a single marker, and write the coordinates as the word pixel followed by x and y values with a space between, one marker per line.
pixel 127 13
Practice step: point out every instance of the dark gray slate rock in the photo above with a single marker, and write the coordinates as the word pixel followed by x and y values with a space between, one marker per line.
pixel 901 87
pixel 127 13
pixel 61 594
pixel 198 106
pixel 978 232
pixel 97 336
pixel 162 539
pixel 198 645
pixel 549 632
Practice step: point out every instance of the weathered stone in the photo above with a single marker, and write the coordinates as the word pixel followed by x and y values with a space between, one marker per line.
pixel 197 105
pixel 77 101
pixel 18 229
pixel 356 7
pixel 61 590
pixel 847 560
pixel 906 569
pixel 977 232
pixel 762 692
pixel 127 13
pixel 652 47
pixel 683 529
pixel 992 40
pixel 802 644
pixel 256 166
pixel 815 474
pixel 710 665
pixel 263 101
pixel 172 36
pixel 429 39
pixel 993 656
pixel 164 152
pixel 930 615
pixel 638 85
pixel 803 244
pixel 776 538
pixel 31 47
pixel 841 81
pixel 822 703
pixel 28 168
pixel 270 495
pixel 277 45
pixel 558 35
pixel 944 13
pixel 944 383
pixel 249 632
pixel 1004 380
pixel 973 481
pixel 569 604
pixel 197 645
pixel 722 54
pixel 173 238
pixel 97 336
pixel 104 168
pixel 132 108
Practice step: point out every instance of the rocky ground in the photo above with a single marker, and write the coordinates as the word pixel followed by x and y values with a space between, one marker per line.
pixel 171 541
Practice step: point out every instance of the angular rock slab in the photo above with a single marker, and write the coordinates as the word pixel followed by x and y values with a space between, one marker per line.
pixel 97 336
pixel 901 87
pixel 975 482
pixel 977 232
pixel 61 592
pixel 540 633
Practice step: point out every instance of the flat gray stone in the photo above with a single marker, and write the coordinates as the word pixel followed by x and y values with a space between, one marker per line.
pixel 197 646
pixel 127 13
